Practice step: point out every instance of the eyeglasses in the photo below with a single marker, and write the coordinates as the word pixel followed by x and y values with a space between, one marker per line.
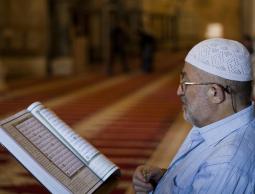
pixel 227 89
pixel 184 85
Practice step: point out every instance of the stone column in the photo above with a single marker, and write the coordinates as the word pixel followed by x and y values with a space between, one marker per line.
pixel 2 77
pixel 112 11
pixel 248 27
pixel 60 59
pixel 252 22
pixel 247 16
pixel 106 26
pixel 4 11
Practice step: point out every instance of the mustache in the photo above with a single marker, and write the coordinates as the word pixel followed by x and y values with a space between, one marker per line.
pixel 183 99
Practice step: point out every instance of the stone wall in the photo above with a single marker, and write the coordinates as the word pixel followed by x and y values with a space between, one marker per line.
pixel 217 11
pixel 23 27
pixel 23 37
pixel 193 17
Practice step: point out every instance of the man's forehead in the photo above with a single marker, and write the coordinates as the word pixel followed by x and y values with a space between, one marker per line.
pixel 187 68
pixel 192 71
pixel 185 72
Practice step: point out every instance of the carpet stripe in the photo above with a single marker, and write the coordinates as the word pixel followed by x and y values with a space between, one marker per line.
pixel 20 101
pixel 114 112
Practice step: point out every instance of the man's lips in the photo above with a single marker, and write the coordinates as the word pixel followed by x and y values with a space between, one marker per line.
pixel 183 101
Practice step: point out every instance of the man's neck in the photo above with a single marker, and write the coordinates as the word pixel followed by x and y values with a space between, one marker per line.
pixel 224 112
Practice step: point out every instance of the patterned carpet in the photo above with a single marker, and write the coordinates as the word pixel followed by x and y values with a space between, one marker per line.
pixel 127 117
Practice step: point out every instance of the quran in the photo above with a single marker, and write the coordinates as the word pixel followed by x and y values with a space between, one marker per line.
pixel 53 153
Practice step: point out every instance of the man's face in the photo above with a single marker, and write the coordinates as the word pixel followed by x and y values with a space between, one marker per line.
pixel 194 97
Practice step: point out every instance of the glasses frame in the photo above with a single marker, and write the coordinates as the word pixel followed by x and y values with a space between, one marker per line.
pixel 184 85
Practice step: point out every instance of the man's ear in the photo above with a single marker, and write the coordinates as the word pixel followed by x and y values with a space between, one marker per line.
pixel 216 94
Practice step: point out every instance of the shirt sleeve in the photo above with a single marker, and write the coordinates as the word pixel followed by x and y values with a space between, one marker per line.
pixel 221 178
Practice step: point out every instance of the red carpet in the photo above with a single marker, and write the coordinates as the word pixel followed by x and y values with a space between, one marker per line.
pixel 12 104
pixel 89 104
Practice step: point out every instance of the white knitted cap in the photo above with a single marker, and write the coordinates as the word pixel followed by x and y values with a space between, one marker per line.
pixel 225 58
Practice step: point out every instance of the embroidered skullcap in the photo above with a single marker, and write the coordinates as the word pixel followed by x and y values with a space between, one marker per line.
pixel 225 58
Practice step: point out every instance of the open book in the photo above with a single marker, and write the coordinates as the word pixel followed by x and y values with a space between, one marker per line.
pixel 60 159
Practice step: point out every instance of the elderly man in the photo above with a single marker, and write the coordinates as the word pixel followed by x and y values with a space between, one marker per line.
pixel 218 155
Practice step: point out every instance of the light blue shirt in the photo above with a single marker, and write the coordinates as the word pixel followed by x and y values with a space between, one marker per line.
pixel 217 158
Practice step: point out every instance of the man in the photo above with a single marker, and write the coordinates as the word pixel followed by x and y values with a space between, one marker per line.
pixel 218 155
pixel 119 41
pixel 148 47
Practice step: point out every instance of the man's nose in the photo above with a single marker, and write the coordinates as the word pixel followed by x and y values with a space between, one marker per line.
pixel 179 90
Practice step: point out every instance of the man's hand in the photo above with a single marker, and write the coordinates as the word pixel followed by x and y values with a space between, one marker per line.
pixel 144 177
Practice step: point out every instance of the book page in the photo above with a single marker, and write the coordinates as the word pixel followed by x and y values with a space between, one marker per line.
pixel 82 149
pixel 54 156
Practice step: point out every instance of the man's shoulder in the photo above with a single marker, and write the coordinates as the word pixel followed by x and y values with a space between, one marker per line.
pixel 236 150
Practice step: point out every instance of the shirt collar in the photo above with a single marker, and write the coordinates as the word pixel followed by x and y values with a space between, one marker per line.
pixel 216 131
